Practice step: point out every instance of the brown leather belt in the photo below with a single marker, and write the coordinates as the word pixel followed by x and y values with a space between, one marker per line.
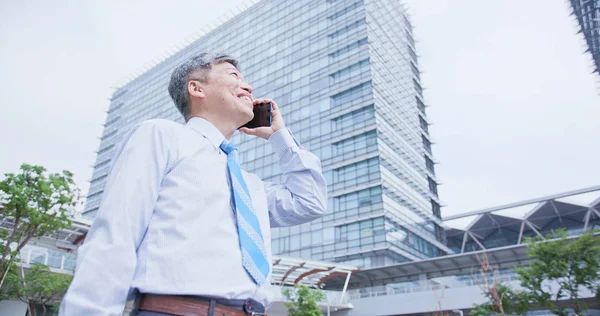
pixel 185 306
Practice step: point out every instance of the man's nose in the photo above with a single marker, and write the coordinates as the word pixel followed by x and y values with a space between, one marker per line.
pixel 246 86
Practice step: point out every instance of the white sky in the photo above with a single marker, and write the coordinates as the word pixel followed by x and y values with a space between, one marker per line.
pixel 514 106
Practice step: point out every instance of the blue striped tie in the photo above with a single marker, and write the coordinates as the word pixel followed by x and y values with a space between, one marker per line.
pixel 252 245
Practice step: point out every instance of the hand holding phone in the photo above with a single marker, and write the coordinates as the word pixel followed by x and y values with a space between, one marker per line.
pixel 270 124
pixel 262 115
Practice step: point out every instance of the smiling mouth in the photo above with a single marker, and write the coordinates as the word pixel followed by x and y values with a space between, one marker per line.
pixel 247 99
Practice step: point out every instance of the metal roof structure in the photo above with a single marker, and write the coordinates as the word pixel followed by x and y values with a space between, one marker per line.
pixel 316 274
pixel 450 265
pixel 292 272
pixel 498 232
pixel 497 226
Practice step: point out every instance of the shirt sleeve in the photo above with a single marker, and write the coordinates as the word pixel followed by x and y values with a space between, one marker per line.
pixel 107 261
pixel 303 196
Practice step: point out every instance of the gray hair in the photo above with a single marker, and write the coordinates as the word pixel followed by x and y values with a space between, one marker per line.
pixel 200 66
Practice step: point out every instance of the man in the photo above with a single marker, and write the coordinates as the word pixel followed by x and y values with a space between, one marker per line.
pixel 179 221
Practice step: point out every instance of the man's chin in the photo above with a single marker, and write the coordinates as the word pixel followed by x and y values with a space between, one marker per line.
pixel 247 119
pixel 249 115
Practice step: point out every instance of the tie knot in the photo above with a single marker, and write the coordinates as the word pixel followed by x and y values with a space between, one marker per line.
pixel 227 147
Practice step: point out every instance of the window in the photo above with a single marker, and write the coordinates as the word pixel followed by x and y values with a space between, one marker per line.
pixel 411 40
pixel 94 195
pixel 424 124
pixel 435 208
pixel 295 242
pixel 305 240
pixel 342 51
pixel 362 230
pixel 326 152
pixel 430 165
pixel 357 173
pixel 318 85
pixel 284 244
pixel 118 94
pixel 347 28
pixel 407 23
pixel 402 237
pixel 355 143
pixel 102 164
pixel 341 233
pixel 351 94
pixel 112 121
pixel 328 235
pixel 420 105
pixel 360 263
pixel 415 71
pixel 440 235
pixel 116 107
pixel 426 144
pixel 91 213
pixel 418 87
pixel 350 71
pixel 432 186
pixel 107 148
pixel 345 10
pixel 317 237
pixel 109 135
pixel 360 116
pixel 99 178
pixel 357 199
pixel 412 54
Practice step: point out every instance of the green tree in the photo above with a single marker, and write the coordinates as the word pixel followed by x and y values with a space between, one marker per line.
pixel 502 300
pixel 572 264
pixel 38 286
pixel 35 204
pixel 302 301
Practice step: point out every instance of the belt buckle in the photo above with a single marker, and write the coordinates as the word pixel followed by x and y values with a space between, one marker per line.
pixel 250 308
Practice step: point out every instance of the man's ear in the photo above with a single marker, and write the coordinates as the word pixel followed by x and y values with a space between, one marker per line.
pixel 196 89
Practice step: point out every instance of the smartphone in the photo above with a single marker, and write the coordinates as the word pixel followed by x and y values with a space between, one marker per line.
pixel 262 115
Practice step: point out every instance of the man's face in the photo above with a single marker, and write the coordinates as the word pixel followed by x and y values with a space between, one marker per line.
pixel 228 95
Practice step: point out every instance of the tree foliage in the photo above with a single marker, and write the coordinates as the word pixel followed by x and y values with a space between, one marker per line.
pixel 36 204
pixel 302 301
pixel 572 264
pixel 501 299
pixel 559 270
pixel 38 286
pixel 505 301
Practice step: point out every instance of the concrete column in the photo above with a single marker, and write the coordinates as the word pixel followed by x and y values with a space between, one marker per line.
pixel 423 282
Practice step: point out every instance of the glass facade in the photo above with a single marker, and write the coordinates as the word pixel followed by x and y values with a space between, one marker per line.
pixel 345 74
pixel 588 16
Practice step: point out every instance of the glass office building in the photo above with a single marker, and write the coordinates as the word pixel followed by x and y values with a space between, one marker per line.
pixel 588 16
pixel 345 74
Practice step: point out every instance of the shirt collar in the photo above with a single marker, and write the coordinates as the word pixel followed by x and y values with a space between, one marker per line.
pixel 206 128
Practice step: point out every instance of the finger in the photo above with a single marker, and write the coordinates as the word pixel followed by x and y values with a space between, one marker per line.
pixel 275 109
pixel 248 131
pixel 260 131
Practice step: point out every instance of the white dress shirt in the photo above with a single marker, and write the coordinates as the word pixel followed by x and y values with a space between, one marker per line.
pixel 166 225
